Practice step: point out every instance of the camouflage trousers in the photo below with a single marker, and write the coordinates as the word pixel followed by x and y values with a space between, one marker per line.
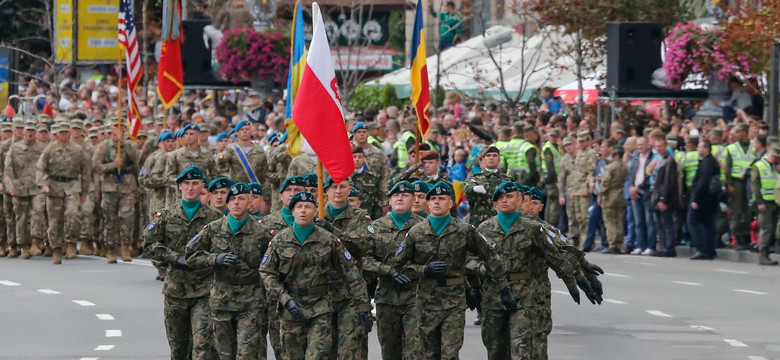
pixel 27 222
pixel 613 221
pixel 577 210
pixel 63 219
pixel 3 233
pixel 544 320
pixel 552 209
pixel 237 334
pixel 118 211
pixel 397 327
pixel 274 330
pixel 511 335
pixel 767 222
pixel 350 340
pixel 441 332
pixel 10 219
pixel 188 328
pixel 740 211
pixel 39 219
pixel 310 339
pixel 88 219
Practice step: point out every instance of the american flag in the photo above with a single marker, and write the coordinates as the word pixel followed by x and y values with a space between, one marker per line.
pixel 128 41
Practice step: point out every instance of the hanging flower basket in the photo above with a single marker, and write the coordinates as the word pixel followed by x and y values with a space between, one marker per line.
pixel 245 54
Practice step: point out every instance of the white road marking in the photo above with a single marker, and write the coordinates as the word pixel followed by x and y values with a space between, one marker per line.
pixel 9 283
pixel 616 275
pixel 104 347
pixel 83 302
pixel 560 292
pixel 757 358
pixel 750 292
pixel 735 343
pixel 613 301
pixel 702 328
pixel 48 291
pixel 89 359
pixel 658 313
pixel 138 262
pixel 113 333
pixel 732 271
pixel 687 283
pixel 104 316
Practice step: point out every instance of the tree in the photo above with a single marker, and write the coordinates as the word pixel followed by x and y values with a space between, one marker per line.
pixel 750 31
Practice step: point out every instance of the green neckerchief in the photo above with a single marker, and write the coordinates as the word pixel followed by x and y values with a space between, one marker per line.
pixel 400 219
pixel 439 223
pixel 507 220
pixel 190 208
pixel 288 216
pixel 225 212
pixel 302 233
pixel 257 214
pixel 423 214
pixel 235 225
pixel 335 212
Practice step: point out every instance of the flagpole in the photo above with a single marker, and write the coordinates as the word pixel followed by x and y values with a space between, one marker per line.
pixel 417 149
pixel 119 114
pixel 320 190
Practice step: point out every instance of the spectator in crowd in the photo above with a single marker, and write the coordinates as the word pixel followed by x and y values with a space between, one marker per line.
pixel 449 25
pixel 704 203
pixel 665 197
pixel 640 191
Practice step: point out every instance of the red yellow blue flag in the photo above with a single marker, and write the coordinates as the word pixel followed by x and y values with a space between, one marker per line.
pixel 421 98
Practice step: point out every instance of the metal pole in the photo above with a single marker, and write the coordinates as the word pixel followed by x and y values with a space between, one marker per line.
pixel 773 89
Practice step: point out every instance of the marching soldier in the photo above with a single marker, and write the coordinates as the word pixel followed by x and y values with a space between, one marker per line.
pixel 246 161
pixel 374 157
pixel 368 183
pixel 156 184
pixel 612 201
pixel 420 200
pixel 218 191
pixel 479 188
pixel 8 205
pixel 186 290
pixel 278 162
pixel 191 154
pixel 5 134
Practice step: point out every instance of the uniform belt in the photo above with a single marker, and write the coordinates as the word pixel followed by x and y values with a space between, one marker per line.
pixel 304 291
pixel 515 276
pixel 444 282
pixel 232 280
pixel 62 178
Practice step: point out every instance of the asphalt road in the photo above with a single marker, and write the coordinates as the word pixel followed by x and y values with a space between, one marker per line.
pixel 655 308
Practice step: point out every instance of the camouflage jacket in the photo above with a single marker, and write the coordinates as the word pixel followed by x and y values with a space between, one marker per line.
pixel 181 158
pixel 166 238
pixel 377 164
pixel 19 176
pixel 611 191
pixel 380 256
pixel 369 186
pixel 353 227
pixel 422 245
pixel 565 174
pixel 68 161
pixel 584 164
pixel 103 166
pixel 236 287
pixel 482 204
pixel 305 272
pixel 156 183
pixel 273 222
pixel 257 161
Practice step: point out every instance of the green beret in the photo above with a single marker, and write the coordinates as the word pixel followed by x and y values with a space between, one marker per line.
pixel 421 186
pixel 536 194
pixel 255 188
pixel 504 188
pixel 302 196
pixel 238 189
pixel 296 180
pixel 353 192
pixel 328 183
pixel 310 179
pixel 402 187
pixel 440 188
pixel 190 173
pixel 220 183
pixel 525 190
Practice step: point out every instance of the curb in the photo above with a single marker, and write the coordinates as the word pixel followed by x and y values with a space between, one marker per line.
pixel 744 256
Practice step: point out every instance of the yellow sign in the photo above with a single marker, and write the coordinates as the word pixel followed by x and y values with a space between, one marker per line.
pixel 63 19
pixel 97 30
pixel 3 96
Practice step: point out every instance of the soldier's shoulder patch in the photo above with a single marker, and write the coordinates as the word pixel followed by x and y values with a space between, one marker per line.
pixel 142 174
pixel 563 238
pixel 549 240
pixel 158 214
pixel 347 255
pixel 339 241
pixel 151 226
pixel 194 238
pixel 401 248
pixel 273 232
pixel 370 229
pixel 265 257
pixel 368 218
pixel 269 244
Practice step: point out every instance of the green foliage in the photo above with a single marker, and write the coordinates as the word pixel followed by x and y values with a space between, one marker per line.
pixel 397 40
pixel 377 96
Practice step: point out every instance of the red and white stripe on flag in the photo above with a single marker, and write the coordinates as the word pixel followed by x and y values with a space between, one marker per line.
pixel 128 41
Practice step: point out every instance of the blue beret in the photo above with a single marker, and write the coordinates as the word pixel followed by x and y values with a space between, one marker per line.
pixel 353 192
pixel 283 138
pixel 292 180
pixel 274 137
pixel 240 124
pixel 179 133
pixel 191 126
pixel 237 189
pixel 360 125
pixel 421 186
pixel 165 135
pixel 220 183
pixel 190 173
pixel 221 136
pixel 255 188
pixel 440 188
pixel 302 196
pixel 504 188
pixel 401 187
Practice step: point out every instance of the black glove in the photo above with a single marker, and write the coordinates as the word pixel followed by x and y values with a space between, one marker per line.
pixel 593 269
pixel 399 279
pixel 595 284
pixel 435 268
pixel 584 284
pixel 366 320
pixel 508 300
pixel 181 262
pixel 295 308
pixel 473 298
pixel 226 259
pixel 575 294
pixel 325 224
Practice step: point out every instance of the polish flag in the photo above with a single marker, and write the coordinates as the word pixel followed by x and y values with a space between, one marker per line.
pixel 317 111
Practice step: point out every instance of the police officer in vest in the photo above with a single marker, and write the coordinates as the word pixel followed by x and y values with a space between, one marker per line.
pixel 739 156
pixel 763 177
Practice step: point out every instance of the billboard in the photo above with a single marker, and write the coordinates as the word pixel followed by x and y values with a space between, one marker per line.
pixel 93 23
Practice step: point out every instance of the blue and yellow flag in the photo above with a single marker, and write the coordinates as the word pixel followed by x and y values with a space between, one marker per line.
pixel 421 97
pixel 294 76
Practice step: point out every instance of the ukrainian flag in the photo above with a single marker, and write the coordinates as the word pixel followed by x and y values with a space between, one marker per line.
pixel 294 76
pixel 421 97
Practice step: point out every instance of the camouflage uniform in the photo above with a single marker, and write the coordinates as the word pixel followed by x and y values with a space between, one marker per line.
pixel 613 203
pixel 237 296
pixel 179 159
pixel 552 208
pixel 440 301
pixel 377 164
pixel 186 290
pixel 88 229
pixel 67 171
pixel 257 161
pixel 482 204
pixel 19 177
pixel 369 186
pixel 157 184
pixel 287 273
pixel 117 191
pixel 8 207
pixel 579 193
pixel 278 162
pixel 274 223
pixel 397 318
pixel 302 165
pixel 564 180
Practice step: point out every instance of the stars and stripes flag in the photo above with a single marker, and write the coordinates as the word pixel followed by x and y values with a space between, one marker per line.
pixel 129 42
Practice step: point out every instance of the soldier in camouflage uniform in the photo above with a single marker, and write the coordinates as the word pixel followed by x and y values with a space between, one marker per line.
pixel 397 318
pixel 64 174
pixel 157 185
pixel 88 218
pixel 218 189
pixel 420 201
pixel 254 155
pixel 19 178
pixel 192 154
pixel 564 178
pixel 307 296
pixel 278 162
pixel 353 226
pixel 612 201
pixel 118 189
pixel 234 246
pixel 435 251
pixel 302 164
pixel 368 184
pixel 577 186
pixel 480 187
pixel 5 134
pixel 186 290
pixel 8 205
pixel 375 157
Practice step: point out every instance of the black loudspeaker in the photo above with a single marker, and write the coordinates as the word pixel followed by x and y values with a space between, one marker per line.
pixel 633 53
pixel 196 57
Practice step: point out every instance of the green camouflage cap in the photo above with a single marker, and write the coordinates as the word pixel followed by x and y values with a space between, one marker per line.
pixel 42 128
pixel 93 132
pixel 18 123
pixel 62 127
pixel 76 124
pixel 30 125
pixel 6 126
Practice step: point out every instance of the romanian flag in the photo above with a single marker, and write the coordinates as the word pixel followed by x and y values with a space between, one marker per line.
pixel 295 140
pixel 170 76
pixel 421 97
